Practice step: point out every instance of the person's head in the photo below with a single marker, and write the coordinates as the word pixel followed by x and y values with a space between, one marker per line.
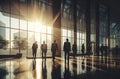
pixel 67 40
pixel 54 41
pixel 43 42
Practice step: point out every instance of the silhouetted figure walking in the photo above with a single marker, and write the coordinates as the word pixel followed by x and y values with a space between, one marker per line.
pixel 102 49
pixel 34 49
pixel 116 50
pixel 83 49
pixel 106 50
pixel 67 49
pixel 54 49
pixel 44 50
pixel 74 49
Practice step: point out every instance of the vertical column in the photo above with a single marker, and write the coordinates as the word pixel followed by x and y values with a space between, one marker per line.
pixel 108 29
pixel 75 19
pixel 97 28
pixel 57 23
pixel 87 16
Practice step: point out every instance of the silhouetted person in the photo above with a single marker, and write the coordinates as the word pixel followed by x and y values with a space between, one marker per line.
pixel 44 70
pixel 106 49
pixel 54 49
pixel 102 49
pixel 83 49
pixel 116 50
pixel 67 49
pixel 74 49
pixel 44 50
pixel 34 49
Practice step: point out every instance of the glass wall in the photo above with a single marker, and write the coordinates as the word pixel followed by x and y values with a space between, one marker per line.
pixel 103 27
pixel 81 27
pixel 67 28
pixel 22 22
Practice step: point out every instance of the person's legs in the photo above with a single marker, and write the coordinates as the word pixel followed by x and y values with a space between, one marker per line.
pixel 68 58
pixel 35 54
pixel 45 55
pixel 65 58
pixel 42 55
pixel 53 56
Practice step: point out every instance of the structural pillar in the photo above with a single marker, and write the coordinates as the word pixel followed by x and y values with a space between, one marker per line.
pixel 97 28
pixel 87 16
pixel 75 20
pixel 57 24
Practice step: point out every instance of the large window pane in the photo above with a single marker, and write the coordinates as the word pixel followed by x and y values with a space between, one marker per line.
pixel 15 38
pixel 31 26
pixel 31 40
pixel 23 24
pixel 14 22
pixel 4 20
pixel 23 42
pixel 4 41
pixel 37 38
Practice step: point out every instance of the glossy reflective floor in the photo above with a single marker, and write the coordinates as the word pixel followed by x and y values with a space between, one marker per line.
pixel 82 67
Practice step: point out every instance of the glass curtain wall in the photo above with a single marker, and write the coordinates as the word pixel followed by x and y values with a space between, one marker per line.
pixel 67 29
pixel 81 27
pixel 93 26
pixel 114 34
pixel 22 22
pixel 103 29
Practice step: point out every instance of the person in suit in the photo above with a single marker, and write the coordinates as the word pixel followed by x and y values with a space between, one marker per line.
pixel 44 50
pixel 67 49
pixel 54 49
pixel 34 49
pixel 74 49
pixel 83 49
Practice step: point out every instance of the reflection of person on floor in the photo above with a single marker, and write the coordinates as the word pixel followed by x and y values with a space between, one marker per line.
pixel 102 49
pixel 44 50
pixel 34 64
pixel 74 69
pixel 74 49
pixel 83 64
pixel 34 49
pixel 67 73
pixel 44 70
pixel 56 71
pixel 54 48
pixel 83 49
pixel 34 68
pixel 67 49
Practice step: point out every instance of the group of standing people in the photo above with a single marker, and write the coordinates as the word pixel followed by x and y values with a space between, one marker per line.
pixel 54 49
pixel 103 49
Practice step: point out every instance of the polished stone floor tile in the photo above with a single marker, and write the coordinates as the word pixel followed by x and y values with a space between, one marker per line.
pixel 81 67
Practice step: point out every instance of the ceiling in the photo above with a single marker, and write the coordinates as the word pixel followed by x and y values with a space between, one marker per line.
pixel 114 9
